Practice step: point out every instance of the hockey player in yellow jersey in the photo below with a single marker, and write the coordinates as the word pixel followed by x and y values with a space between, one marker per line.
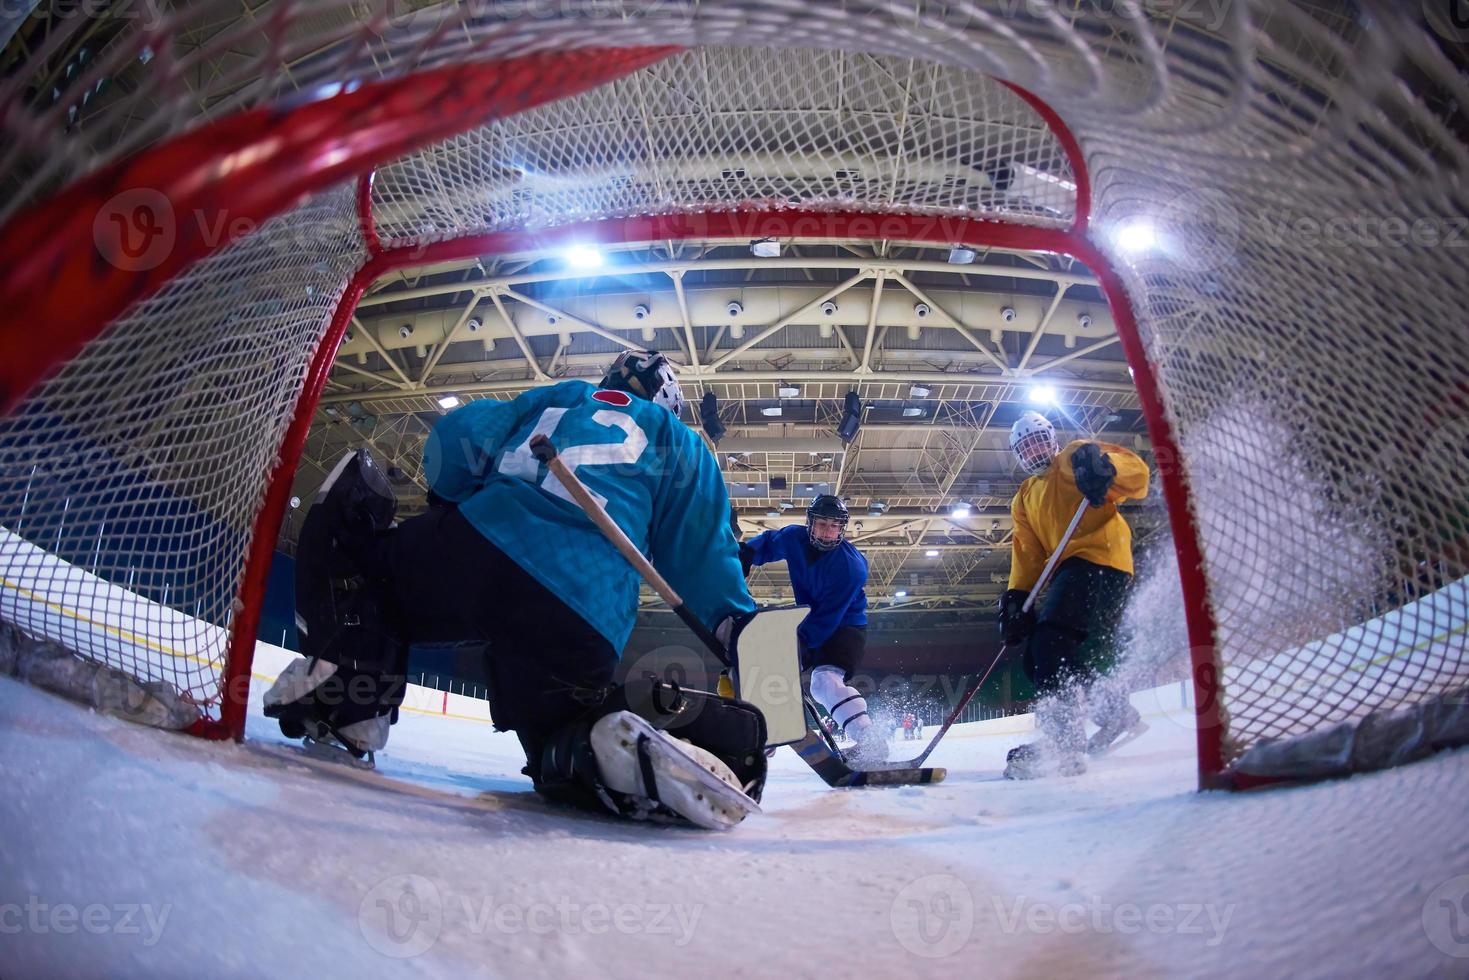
pixel 1063 634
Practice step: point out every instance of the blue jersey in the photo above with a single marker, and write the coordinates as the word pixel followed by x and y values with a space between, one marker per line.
pixel 651 472
pixel 830 582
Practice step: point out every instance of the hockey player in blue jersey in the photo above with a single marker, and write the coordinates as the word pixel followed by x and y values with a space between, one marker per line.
pixel 828 574
pixel 505 558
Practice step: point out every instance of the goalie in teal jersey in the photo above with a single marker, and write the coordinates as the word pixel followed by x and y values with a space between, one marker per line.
pixel 505 557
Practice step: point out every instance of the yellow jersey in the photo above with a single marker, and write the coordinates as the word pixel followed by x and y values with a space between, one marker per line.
pixel 1046 502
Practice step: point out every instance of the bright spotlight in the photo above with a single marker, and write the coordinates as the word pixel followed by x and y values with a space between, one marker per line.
pixel 960 511
pixel 900 594
pixel 1043 395
pixel 931 553
pixel 1136 237
pixel 448 402
pixel 583 257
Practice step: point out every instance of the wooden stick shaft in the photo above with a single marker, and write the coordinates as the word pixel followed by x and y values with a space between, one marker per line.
pixel 609 527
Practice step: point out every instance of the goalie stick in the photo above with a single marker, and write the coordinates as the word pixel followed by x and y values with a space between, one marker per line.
pixel 817 752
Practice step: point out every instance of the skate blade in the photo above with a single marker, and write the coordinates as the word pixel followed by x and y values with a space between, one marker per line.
pixel 1129 735
pixel 330 751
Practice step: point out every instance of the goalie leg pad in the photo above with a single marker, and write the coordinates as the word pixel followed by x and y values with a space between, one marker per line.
pixel 692 749
pixel 340 568
pixel 651 771
pixel 313 698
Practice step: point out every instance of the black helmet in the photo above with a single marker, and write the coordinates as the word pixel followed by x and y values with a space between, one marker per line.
pixel 647 374
pixel 830 507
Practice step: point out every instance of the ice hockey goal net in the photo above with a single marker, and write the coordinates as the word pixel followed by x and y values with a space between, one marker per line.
pixel 198 193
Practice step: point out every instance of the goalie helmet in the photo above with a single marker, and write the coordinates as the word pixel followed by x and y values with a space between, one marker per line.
pixel 831 508
pixel 1033 441
pixel 647 374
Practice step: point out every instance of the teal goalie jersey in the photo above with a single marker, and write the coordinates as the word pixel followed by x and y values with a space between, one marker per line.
pixel 651 472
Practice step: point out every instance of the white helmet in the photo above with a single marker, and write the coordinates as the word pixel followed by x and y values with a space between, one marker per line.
pixel 1033 441
pixel 647 374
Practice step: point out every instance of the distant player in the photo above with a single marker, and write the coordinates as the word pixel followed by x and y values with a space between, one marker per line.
pixel 828 574
pixel 1065 635
pixel 507 559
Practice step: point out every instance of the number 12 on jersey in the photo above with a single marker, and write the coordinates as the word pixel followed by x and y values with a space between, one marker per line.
pixel 521 463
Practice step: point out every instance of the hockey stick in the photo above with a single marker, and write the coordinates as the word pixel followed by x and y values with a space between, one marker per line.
pixel 545 451
pixel 1029 602
pixel 819 751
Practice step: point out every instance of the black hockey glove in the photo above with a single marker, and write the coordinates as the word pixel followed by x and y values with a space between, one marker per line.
pixel 1094 473
pixel 1015 621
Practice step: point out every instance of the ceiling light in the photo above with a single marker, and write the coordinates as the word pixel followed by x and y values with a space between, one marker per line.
pixel 789 391
pixel 448 402
pixel 583 257
pixel 772 513
pixel 1043 395
pixel 962 256
pixel 900 594
pixel 765 248
pixel 912 413
pixel 1136 237
pixel 960 510
pixel 771 412
pixel 931 553
pixel 919 391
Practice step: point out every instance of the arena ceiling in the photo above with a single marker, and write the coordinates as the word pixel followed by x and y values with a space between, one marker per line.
pixel 943 357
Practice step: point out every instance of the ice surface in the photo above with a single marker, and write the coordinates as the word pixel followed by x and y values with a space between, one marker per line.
pixel 194 859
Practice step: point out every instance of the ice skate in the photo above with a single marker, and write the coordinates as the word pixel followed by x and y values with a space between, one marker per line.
pixel 1116 732
pixel 1035 760
pixel 869 748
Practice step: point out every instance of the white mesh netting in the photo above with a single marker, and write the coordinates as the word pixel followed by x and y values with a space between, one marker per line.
pixel 736 128
pixel 132 478
pixel 1302 167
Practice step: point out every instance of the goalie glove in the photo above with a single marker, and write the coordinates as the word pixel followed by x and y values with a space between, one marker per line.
pixel 1094 473
pixel 1016 622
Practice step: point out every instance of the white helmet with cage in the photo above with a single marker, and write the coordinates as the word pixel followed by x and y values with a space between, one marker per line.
pixel 647 374
pixel 1033 441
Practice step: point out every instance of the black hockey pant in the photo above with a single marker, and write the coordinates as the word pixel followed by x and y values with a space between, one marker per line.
pixel 448 584
pixel 1076 624
pixel 845 648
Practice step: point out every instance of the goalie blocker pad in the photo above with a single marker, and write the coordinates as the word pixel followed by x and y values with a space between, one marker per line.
pixel 733 732
pixel 767 671
pixel 339 574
